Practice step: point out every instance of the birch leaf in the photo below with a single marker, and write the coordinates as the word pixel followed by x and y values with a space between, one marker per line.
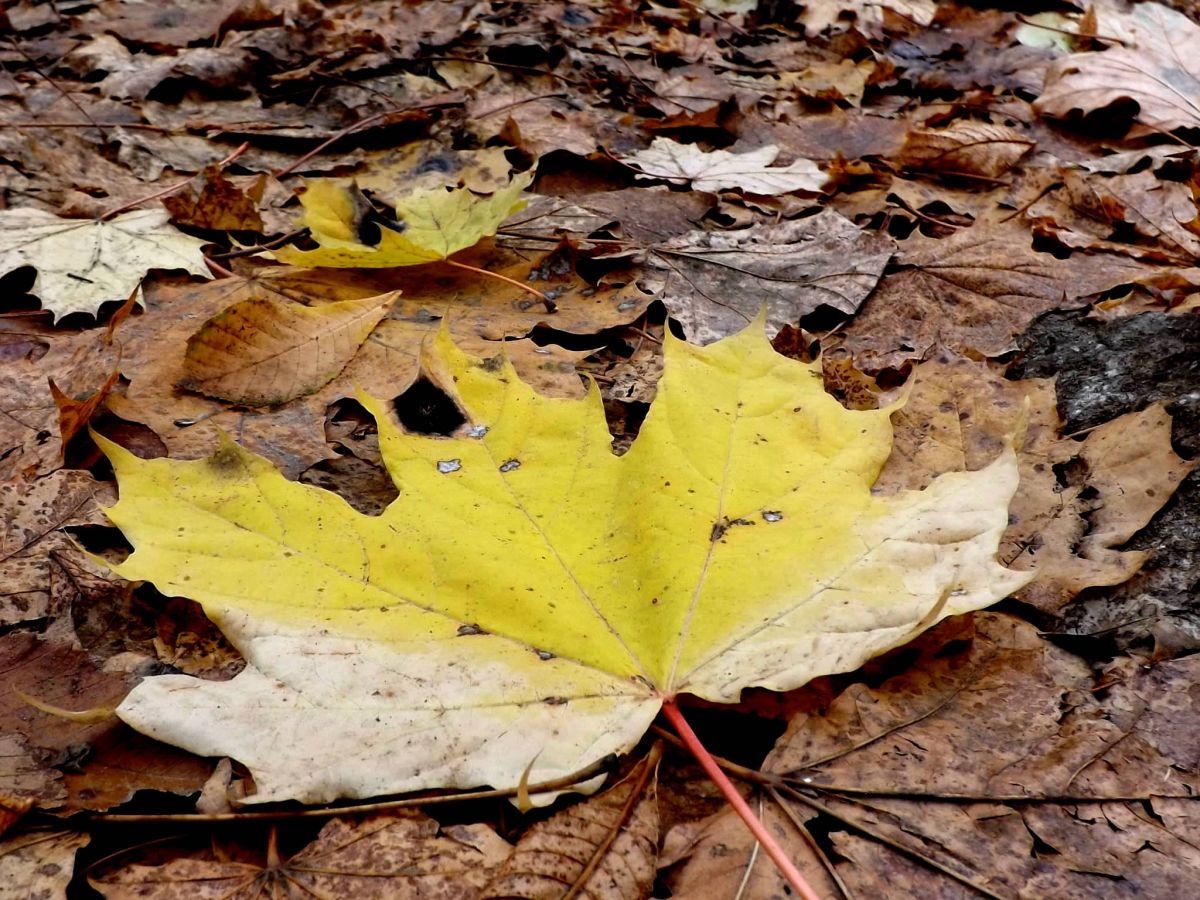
pixel 529 599
pixel 433 224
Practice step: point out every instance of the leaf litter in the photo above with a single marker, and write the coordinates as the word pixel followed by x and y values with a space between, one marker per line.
pixel 943 214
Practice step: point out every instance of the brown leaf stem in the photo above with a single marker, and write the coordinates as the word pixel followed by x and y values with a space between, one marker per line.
pixel 786 867
pixel 549 304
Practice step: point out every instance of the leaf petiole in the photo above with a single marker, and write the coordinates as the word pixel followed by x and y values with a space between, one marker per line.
pixel 786 867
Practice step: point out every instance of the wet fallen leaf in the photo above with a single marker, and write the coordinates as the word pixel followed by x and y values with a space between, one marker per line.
pixel 973 291
pixel 1078 501
pixel 394 855
pixel 714 283
pixel 604 847
pixel 38 864
pixel 923 782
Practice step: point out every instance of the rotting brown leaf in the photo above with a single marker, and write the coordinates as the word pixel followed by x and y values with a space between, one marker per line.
pixel 715 283
pixel 974 292
pixel 1079 499
pixel 604 848
pixel 390 856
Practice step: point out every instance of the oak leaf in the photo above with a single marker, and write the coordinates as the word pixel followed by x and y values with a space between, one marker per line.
pixel 84 263
pixel 433 224
pixel 529 599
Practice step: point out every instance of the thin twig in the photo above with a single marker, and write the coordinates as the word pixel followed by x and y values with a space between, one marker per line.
pixel 549 304
pixel 556 784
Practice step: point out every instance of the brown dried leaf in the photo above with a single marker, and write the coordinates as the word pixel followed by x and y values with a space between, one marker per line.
pixel 391 856
pixel 1161 74
pixel 38 864
pixel 32 516
pixel 965 148
pixel 1077 501
pixel 988 722
pixel 214 202
pixel 1083 209
pixel 715 283
pixel 265 351
pixel 605 847
pixel 973 291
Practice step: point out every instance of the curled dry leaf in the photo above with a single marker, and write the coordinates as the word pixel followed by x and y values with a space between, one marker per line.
pixel 1082 209
pixel 84 263
pixel 715 283
pixel 965 149
pixel 717 170
pixel 392 856
pixel 514 606
pixel 1161 74
pixel 604 848
pixel 1078 501
pixel 265 351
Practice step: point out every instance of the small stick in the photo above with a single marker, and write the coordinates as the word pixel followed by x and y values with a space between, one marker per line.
pixel 549 304
pixel 786 867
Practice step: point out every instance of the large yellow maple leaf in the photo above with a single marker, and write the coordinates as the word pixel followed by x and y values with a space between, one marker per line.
pixel 532 598
pixel 435 223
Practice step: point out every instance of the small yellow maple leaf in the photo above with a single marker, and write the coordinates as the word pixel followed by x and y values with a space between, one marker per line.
pixel 436 223
pixel 530 595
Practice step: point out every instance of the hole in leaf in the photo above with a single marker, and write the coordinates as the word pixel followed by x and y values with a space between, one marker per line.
pixel 426 409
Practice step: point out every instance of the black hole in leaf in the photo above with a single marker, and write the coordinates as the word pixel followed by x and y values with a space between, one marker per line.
pixel 426 409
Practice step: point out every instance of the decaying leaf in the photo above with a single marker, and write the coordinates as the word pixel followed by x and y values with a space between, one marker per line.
pixel 84 263
pixel 868 16
pixel 1161 74
pixel 1083 209
pixel 405 856
pixel 433 224
pixel 974 291
pixel 603 848
pixel 516 606
pixel 717 170
pixel 922 783
pixel 1078 501
pixel 216 202
pixel 714 283
pixel 32 517
pixel 266 351
pixel 964 149
pixel 38 864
